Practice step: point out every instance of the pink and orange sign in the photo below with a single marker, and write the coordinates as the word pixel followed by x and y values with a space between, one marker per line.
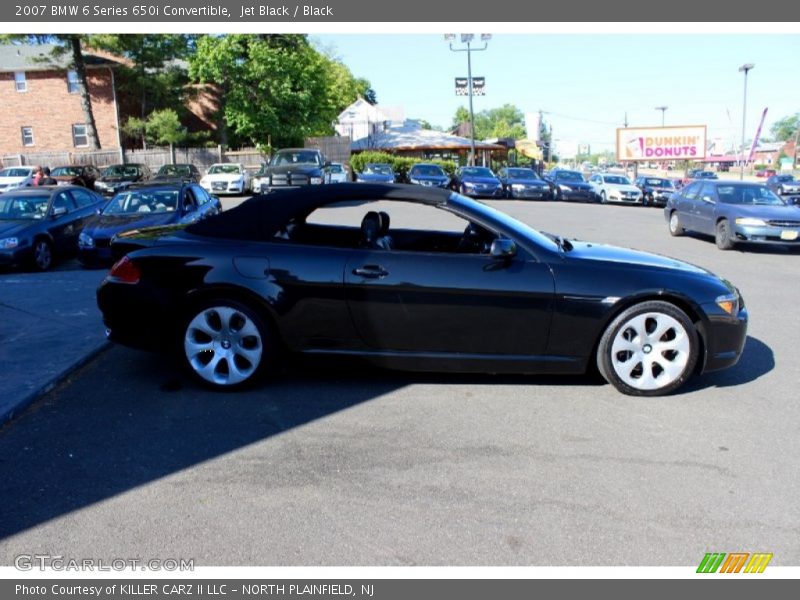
pixel 686 142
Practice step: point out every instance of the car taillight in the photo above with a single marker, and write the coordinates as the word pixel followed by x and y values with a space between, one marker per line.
pixel 125 271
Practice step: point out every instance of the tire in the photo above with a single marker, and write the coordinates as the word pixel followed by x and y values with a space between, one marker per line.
pixel 675 227
pixel 603 199
pixel 723 236
pixel 227 345
pixel 42 254
pixel 650 349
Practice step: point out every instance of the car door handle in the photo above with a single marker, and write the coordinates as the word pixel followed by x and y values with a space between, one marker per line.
pixel 371 272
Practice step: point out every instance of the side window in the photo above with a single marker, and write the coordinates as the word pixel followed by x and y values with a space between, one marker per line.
pixel 200 194
pixel 63 200
pixel 83 198
pixel 709 192
pixel 692 190
pixel 189 200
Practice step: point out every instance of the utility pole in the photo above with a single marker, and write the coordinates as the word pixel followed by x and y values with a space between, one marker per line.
pixel 744 69
pixel 466 38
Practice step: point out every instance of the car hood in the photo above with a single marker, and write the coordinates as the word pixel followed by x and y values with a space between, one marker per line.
pixel 376 177
pixel 118 179
pixel 110 225
pixel 12 228
pixel 298 168
pixel 791 212
pixel 476 179
pixel 575 185
pixel 224 177
pixel 8 180
pixel 606 253
pixel 65 178
pixel 429 177
pixel 538 182
pixel 623 187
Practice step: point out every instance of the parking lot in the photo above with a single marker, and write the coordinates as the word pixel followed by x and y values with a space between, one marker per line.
pixel 336 463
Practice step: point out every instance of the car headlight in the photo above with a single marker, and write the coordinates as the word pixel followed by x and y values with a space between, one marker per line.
pixel 751 221
pixel 204 181
pixel 564 188
pixel 412 180
pixel 315 180
pixel 85 240
pixel 9 243
pixel 517 186
pixel 729 303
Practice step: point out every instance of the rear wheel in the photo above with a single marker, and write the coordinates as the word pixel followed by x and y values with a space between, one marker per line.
pixel 723 236
pixel 649 350
pixel 675 227
pixel 227 344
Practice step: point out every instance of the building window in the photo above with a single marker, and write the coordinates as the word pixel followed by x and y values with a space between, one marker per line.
pixel 80 136
pixel 27 136
pixel 73 85
pixel 20 82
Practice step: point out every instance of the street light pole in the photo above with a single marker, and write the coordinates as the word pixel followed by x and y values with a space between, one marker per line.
pixel 744 68
pixel 663 109
pixel 467 38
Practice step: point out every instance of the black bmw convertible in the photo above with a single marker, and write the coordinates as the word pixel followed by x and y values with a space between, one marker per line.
pixel 287 273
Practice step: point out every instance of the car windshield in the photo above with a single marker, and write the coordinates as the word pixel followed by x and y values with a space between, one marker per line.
pixel 784 178
pixel 658 182
pixel 12 172
pixel 142 201
pixel 617 179
pixel 378 170
pixel 296 157
pixel 337 169
pixel 21 207
pixel 180 170
pixel 225 169
pixel 476 172
pixel 426 171
pixel 568 176
pixel 707 175
pixel 748 194
pixel 66 172
pixel 522 174
pixel 121 171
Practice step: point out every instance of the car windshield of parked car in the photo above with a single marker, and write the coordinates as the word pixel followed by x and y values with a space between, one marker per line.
pixel 178 170
pixel 121 171
pixel 748 195
pixel 66 172
pixel 12 172
pixel 655 182
pixel 522 174
pixel 378 170
pixel 426 171
pixel 476 172
pixel 617 180
pixel 22 207
pixel 568 176
pixel 142 201
pixel 337 168
pixel 295 158
pixel 784 179
pixel 225 170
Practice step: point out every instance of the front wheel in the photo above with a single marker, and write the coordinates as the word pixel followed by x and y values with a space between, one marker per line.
pixel 603 199
pixel 650 349
pixel 227 344
pixel 42 255
pixel 723 236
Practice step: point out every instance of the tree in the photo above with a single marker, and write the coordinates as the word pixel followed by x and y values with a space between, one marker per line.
pixel 71 45
pixel 164 127
pixel 273 88
pixel 786 128
pixel 461 116
pixel 506 121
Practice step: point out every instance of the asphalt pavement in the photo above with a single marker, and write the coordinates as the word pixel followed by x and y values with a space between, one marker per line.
pixel 335 463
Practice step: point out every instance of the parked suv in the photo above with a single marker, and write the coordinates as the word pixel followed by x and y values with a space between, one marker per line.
pixel 293 167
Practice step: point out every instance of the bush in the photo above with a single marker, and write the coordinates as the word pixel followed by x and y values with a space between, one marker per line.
pixel 400 164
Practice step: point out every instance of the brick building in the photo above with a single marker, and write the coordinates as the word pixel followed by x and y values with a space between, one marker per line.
pixel 41 102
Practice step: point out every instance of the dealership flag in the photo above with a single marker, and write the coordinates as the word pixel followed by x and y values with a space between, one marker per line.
pixel 758 135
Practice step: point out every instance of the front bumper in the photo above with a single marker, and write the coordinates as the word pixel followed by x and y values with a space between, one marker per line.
pixel 624 199
pixel 584 195
pixel 766 235
pixel 225 188
pixel 16 256
pixel 482 192
pixel 96 256
pixel 530 193
pixel 724 336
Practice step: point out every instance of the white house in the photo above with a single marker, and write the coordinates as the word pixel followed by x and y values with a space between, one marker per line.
pixel 361 119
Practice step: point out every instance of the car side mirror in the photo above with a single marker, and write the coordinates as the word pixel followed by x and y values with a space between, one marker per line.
pixel 503 248
pixel 59 211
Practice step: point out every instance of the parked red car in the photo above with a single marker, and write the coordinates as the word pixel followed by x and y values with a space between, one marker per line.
pixel 766 173
pixel 83 175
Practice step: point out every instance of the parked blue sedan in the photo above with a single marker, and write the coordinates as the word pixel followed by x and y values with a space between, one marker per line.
pixel 477 182
pixel 376 173
pixel 733 212
pixel 142 206
pixel 522 183
pixel 428 175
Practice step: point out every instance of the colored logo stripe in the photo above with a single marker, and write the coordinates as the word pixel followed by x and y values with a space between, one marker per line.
pixel 711 562
pixel 758 562
pixel 734 562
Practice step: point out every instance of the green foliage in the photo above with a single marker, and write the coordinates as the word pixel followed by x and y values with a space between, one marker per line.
pixel 275 89
pixel 400 164
pixel 786 128
pixel 164 127
pixel 507 121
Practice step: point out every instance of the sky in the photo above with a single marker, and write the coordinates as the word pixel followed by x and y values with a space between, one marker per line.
pixel 586 83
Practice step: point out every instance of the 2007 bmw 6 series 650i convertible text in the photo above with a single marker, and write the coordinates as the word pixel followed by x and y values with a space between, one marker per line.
pixel 280 273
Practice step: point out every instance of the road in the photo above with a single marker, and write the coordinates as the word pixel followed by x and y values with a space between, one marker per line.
pixel 339 464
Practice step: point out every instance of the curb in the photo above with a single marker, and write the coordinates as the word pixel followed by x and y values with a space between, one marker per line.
pixel 18 406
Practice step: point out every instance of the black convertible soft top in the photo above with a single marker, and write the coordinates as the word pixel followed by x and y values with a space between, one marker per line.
pixel 264 215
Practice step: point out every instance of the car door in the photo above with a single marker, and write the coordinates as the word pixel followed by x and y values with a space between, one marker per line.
pixel 705 206
pixel 65 222
pixel 684 202
pixel 443 302
pixel 206 206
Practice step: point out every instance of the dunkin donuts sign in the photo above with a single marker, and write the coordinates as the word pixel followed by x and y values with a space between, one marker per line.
pixel 661 143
